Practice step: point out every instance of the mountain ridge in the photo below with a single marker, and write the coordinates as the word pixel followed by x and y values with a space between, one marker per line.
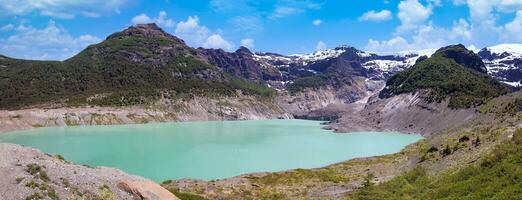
pixel 146 57
pixel 454 72
pixel 137 65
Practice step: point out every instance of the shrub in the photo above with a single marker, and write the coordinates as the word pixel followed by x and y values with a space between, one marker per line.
pixel 497 176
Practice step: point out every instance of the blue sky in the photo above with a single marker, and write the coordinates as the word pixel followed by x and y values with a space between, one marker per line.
pixel 58 29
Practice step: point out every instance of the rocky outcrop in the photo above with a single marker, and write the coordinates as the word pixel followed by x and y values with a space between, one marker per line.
pixel 147 190
pixel 407 113
pixel 27 173
pixel 240 63
pixel 242 107
pixel 464 57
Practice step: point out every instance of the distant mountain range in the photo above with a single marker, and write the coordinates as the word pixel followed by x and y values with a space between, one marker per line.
pixel 143 63
pixel 503 61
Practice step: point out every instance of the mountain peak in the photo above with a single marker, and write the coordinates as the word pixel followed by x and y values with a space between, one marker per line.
pixel 150 26
pixel 145 30
pixel 344 46
pixel 467 58
pixel 243 50
pixel 447 74
pixel 505 48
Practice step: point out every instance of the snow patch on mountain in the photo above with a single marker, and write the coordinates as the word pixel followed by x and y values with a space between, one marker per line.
pixel 384 65
pixel 514 49
pixel 423 52
pixel 514 84
pixel 389 65
pixel 318 55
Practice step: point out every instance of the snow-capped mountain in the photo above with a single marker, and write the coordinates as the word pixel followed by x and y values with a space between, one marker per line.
pixel 504 62
pixel 379 66
pixel 343 64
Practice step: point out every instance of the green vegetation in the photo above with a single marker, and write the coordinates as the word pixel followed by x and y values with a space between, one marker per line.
pixel 496 176
pixel 38 172
pixel 508 105
pixel 34 196
pixel 105 193
pixel 123 70
pixel 251 88
pixel 302 83
pixel 19 180
pixel 186 196
pixel 440 77
pixel 301 175
pixel 59 157
pixel 37 126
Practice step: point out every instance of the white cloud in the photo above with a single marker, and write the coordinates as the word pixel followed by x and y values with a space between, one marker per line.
pixel 231 6
pixel 215 41
pixel 317 22
pixel 22 27
pixel 417 33
pixel 7 27
pixel 427 36
pixel 49 43
pixel 461 29
pixel 435 2
pixel 200 36
pixel 459 2
pixel 412 14
pixel 284 11
pixel 320 46
pixel 373 15
pixel 484 15
pixel 161 20
pixel 288 8
pixel 141 19
pixel 480 29
pixel 393 45
pixel 248 43
pixel 192 32
pixel 62 8
pixel 513 29
pixel 247 24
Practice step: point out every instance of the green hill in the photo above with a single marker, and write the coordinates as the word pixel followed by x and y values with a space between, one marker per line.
pixel 135 66
pixel 452 72
pixel 497 176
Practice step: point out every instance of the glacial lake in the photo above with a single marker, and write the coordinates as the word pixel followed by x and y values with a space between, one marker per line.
pixel 209 150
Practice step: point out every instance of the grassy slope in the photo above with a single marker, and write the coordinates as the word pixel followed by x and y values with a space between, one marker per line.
pixel 106 69
pixel 497 176
pixel 442 77
pixel 442 153
pixel 302 83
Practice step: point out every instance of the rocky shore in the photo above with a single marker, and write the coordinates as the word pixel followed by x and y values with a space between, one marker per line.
pixel 196 109
pixel 27 173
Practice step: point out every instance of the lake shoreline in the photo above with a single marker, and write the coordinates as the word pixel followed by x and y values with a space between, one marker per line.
pixel 16 120
pixel 270 134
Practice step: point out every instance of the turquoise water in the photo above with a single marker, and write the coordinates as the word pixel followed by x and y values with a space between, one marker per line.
pixel 208 150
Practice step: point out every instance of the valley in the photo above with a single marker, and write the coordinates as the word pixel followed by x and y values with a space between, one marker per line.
pixel 465 104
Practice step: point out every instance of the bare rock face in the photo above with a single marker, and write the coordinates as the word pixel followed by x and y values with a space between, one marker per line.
pixel 504 62
pixel 27 173
pixel 407 113
pixel 240 63
pixel 147 190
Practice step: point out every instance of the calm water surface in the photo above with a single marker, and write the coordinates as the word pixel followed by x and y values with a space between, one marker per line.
pixel 208 150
